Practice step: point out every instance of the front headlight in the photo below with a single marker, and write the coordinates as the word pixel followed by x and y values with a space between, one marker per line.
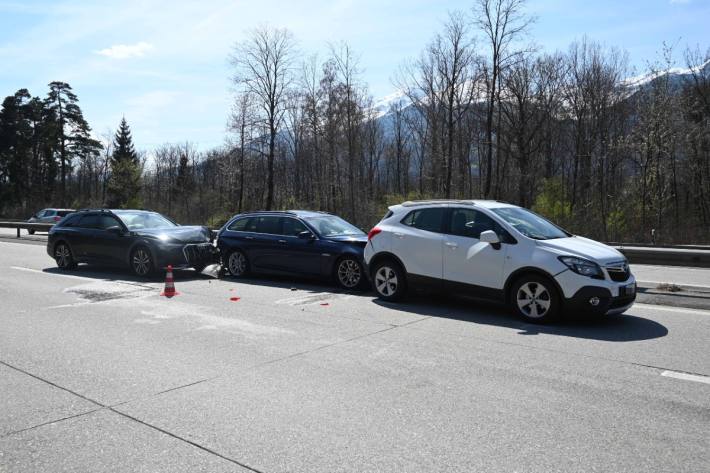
pixel 582 266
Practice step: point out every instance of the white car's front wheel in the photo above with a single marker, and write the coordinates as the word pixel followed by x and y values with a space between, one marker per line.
pixel 535 299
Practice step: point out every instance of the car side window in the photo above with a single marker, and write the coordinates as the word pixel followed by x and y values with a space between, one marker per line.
pixel 72 221
pixel 292 227
pixel 40 214
pixel 471 223
pixel 426 219
pixel 89 221
pixel 240 225
pixel 106 221
pixel 270 225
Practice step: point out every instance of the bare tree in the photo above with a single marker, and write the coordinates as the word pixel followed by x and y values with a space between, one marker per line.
pixel 263 67
pixel 502 22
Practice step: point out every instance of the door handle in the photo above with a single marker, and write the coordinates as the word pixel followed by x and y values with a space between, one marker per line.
pixel 248 238
pixel 283 242
pixel 453 246
pixel 399 235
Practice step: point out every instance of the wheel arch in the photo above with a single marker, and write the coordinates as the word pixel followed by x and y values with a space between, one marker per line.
pixel 518 273
pixel 385 255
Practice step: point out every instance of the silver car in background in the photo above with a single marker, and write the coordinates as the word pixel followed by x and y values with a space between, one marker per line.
pixel 48 216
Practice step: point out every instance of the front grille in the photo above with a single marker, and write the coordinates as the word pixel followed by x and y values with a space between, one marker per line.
pixel 618 272
pixel 199 253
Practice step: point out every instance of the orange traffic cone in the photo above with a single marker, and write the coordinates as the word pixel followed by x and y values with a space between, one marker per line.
pixel 169 290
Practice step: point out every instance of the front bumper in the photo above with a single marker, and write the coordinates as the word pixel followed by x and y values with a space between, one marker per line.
pixel 595 300
pixel 188 255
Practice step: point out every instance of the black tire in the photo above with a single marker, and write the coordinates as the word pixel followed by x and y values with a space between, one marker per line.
pixel 64 256
pixel 349 273
pixel 535 299
pixel 236 263
pixel 389 280
pixel 30 231
pixel 142 263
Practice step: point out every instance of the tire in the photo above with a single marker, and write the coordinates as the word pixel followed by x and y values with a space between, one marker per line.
pixel 535 299
pixel 349 274
pixel 389 281
pixel 30 232
pixel 64 256
pixel 237 264
pixel 142 263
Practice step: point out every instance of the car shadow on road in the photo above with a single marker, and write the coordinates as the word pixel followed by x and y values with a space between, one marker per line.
pixel 303 283
pixel 120 274
pixel 615 328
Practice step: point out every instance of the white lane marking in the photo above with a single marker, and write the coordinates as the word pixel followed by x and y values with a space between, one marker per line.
pixel 686 376
pixel 680 310
pixel 39 271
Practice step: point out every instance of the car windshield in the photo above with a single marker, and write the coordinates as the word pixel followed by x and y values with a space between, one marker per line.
pixel 141 220
pixel 333 226
pixel 530 224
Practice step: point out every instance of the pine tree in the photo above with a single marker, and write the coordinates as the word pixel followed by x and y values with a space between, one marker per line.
pixel 70 128
pixel 124 184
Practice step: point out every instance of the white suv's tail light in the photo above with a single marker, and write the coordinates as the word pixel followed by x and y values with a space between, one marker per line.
pixel 375 231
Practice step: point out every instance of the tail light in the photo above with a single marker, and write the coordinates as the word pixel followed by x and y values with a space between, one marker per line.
pixel 373 232
pixel 57 218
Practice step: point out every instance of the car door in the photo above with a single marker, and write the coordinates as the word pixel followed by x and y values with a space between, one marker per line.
pixel 299 255
pixel 418 242
pixel 265 245
pixel 469 263
pixel 108 245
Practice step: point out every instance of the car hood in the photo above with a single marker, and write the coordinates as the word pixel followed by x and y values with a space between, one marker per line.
pixel 360 240
pixel 583 248
pixel 187 234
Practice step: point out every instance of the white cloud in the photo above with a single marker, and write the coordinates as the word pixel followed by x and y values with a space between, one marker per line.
pixel 126 51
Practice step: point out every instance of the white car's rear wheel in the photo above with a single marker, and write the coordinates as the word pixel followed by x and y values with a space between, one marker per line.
pixel 389 281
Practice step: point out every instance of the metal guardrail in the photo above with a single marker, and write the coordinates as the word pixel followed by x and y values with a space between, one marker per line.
pixel 680 255
pixel 41 227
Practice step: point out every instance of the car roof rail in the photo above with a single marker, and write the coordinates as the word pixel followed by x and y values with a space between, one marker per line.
pixel 269 212
pixel 415 203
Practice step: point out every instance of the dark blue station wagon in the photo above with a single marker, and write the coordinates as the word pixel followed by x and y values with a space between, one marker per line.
pixel 295 242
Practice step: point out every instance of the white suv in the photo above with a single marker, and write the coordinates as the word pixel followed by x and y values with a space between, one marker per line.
pixel 494 250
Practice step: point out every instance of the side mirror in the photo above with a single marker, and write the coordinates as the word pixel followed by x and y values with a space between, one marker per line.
pixel 115 230
pixel 489 236
pixel 306 235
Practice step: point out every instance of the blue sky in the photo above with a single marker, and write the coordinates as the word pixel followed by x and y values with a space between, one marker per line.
pixel 163 64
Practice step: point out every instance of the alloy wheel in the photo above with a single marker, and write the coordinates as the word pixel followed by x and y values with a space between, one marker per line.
pixel 386 281
pixel 237 264
pixel 141 262
pixel 534 299
pixel 63 256
pixel 349 273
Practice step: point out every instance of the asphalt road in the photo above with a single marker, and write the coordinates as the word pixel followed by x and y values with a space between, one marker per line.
pixel 99 373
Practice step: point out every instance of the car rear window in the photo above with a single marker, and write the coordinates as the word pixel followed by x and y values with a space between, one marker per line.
pixel 64 213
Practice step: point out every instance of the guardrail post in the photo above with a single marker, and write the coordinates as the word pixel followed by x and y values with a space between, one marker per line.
pixel 18 232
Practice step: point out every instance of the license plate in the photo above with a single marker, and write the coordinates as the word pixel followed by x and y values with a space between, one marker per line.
pixel 628 290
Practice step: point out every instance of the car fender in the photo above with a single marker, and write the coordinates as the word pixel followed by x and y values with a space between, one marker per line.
pixel 141 242
pixel 384 255
pixel 526 270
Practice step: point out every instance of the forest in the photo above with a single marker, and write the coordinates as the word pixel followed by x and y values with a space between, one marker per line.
pixel 481 113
